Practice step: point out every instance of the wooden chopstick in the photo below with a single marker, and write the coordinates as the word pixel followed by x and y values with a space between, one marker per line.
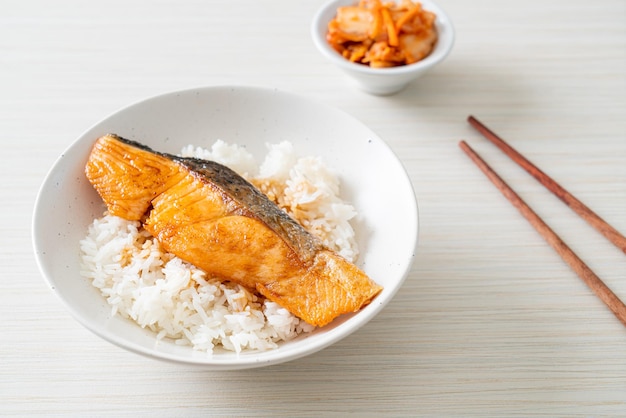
pixel 576 205
pixel 584 272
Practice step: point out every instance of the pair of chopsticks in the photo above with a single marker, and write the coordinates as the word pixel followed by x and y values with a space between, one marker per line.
pixel 584 272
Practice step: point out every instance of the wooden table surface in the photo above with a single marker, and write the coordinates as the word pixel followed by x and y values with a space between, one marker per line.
pixel 490 320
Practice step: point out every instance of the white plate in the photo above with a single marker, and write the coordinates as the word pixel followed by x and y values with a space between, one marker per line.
pixel 373 180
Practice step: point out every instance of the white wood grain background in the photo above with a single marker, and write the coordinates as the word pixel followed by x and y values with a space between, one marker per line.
pixel 489 322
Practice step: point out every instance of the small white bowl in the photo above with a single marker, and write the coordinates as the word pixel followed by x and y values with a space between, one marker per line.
pixel 383 81
pixel 372 179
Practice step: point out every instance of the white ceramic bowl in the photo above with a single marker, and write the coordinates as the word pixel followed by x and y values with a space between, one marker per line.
pixel 382 81
pixel 372 177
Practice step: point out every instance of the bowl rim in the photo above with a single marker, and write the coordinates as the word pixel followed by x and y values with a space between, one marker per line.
pixel 251 359
pixel 441 51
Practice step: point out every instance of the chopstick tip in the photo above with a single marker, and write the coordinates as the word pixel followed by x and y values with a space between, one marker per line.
pixel 473 121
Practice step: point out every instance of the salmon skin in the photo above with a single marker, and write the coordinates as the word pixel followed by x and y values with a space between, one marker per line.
pixel 208 215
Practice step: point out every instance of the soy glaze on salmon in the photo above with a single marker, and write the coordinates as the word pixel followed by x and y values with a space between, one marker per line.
pixel 209 216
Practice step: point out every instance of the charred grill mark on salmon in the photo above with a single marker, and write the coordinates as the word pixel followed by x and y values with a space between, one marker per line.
pixel 209 216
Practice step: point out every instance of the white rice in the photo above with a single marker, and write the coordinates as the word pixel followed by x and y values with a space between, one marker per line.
pixel 177 301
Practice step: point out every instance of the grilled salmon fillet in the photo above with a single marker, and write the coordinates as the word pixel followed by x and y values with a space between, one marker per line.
pixel 209 216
